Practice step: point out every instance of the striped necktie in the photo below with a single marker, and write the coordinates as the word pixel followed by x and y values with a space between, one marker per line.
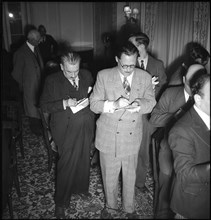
pixel 142 65
pixel 74 84
pixel 126 86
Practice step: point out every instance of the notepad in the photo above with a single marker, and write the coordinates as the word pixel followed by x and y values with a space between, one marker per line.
pixel 81 104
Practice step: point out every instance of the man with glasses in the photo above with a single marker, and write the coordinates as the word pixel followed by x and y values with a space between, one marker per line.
pixel 27 71
pixel 121 96
pixel 65 97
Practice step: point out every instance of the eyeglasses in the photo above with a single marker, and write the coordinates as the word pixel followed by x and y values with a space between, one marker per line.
pixel 127 66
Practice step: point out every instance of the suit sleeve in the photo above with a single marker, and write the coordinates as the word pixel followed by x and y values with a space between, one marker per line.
pixel 147 102
pixel 47 101
pixel 162 77
pixel 183 148
pixel 160 114
pixel 97 98
pixel 18 69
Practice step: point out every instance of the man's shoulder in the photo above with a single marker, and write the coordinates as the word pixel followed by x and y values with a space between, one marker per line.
pixel 155 60
pixel 54 77
pixel 107 72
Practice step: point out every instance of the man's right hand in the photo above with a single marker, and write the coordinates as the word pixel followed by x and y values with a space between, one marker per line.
pixel 121 102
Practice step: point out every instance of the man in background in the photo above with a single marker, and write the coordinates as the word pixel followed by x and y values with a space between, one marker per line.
pixel 156 70
pixel 48 46
pixel 27 71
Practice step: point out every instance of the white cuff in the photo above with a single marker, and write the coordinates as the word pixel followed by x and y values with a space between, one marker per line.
pixel 108 107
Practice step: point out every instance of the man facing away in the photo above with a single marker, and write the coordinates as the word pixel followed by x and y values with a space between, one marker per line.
pixel 121 96
pixel 189 141
pixel 27 71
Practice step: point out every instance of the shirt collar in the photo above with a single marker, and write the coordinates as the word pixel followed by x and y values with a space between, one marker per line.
pixel 30 46
pixel 129 78
pixel 186 95
pixel 203 116
pixel 145 61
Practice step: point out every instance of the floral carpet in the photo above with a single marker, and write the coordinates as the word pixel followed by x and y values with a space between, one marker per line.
pixel 37 187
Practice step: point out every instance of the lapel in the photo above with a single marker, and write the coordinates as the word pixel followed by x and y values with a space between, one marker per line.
pixel 150 65
pixel 116 82
pixel 199 128
pixel 31 54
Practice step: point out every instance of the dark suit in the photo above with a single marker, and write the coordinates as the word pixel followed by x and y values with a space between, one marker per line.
pixel 72 133
pixel 189 141
pixel 27 72
pixel 156 68
pixel 162 116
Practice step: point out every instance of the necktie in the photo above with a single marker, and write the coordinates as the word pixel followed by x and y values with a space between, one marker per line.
pixel 126 86
pixel 37 55
pixel 74 84
pixel 142 65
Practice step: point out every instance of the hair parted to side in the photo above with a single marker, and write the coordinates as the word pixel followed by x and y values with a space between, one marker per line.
pixel 198 81
pixel 70 57
pixel 141 38
pixel 127 48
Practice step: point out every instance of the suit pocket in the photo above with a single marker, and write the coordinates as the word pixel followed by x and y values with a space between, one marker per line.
pixel 193 188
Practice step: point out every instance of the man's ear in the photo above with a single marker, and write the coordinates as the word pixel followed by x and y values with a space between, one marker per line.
pixel 116 58
pixel 61 67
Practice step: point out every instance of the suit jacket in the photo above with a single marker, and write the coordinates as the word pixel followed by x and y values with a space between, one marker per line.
pixel 120 133
pixel 171 100
pixel 155 67
pixel 57 88
pixel 189 140
pixel 27 72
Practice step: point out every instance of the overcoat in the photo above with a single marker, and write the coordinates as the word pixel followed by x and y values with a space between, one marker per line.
pixel 27 72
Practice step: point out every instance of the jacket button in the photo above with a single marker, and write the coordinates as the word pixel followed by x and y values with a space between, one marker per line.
pixel 120 119
pixel 130 133
pixel 117 132
pixel 134 120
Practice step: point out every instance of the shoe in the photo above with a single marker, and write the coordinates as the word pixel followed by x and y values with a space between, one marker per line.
pixel 59 212
pixel 142 189
pixel 105 214
pixel 132 215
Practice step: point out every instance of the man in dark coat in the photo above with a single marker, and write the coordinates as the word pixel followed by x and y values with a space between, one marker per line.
pixel 156 70
pixel 189 141
pixel 65 97
pixel 27 71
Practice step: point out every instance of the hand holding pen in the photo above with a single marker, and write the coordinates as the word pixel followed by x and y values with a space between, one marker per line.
pixel 121 102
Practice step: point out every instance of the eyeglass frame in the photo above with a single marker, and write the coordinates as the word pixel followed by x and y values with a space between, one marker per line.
pixel 126 66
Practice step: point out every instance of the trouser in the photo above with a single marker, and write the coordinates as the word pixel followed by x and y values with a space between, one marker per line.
pixel 163 210
pixel 144 153
pixel 35 125
pixel 111 167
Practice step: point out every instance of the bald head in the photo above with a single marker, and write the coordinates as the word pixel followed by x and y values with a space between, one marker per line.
pixel 33 37
pixel 192 69
pixel 190 73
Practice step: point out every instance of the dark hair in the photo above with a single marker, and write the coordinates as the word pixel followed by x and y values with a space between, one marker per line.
pixel 141 38
pixel 70 57
pixel 198 81
pixel 127 48
pixel 194 51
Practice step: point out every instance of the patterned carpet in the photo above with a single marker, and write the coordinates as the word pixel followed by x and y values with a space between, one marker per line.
pixel 37 188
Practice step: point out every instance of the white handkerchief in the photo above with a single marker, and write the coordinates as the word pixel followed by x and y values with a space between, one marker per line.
pixel 89 89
